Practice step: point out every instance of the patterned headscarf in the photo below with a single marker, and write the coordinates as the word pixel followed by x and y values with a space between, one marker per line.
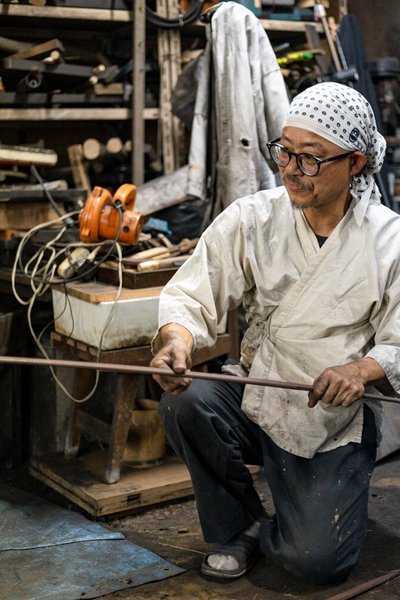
pixel 343 116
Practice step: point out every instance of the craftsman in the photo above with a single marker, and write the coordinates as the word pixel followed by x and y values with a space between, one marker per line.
pixel 315 264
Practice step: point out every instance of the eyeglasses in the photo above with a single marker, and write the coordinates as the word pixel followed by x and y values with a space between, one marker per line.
pixel 307 163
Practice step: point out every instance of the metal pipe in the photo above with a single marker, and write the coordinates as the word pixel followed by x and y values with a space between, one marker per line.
pixel 136 370
pixel 365 586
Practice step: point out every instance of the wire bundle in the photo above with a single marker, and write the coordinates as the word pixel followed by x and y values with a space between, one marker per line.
pixel 41 270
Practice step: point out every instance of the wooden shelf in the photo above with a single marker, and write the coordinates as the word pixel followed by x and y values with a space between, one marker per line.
pixel 73 114
pixel 125 16
pixel 289 26
pixel 57 12
pixel 276 25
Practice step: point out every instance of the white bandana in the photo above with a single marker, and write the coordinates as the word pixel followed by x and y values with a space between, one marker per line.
pixel 343 116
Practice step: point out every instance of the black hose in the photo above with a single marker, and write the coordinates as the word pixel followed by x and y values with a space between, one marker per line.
pixel 190 16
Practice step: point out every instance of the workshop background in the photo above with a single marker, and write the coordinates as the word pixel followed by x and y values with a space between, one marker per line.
pixel 106 182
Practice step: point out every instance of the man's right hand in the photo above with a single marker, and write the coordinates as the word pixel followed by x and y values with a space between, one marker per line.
pixel 175 355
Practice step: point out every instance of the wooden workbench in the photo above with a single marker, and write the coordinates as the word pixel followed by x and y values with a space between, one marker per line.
pixel 99 481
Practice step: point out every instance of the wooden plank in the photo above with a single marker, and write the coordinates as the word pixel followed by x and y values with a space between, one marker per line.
pixel 95 292
pixel 94 427
pixel 22 216
pixel 314 42
pixel 175 60
pixel 109 273
pixel 40 50
pixel 79 169
pixel 80 480
pixel 73 114
pixel 60 12
pixel 164 59
pixel 140 355
pixel 289 26
pixel 138 93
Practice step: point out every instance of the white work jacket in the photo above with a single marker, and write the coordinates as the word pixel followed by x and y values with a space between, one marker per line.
pixel 308 308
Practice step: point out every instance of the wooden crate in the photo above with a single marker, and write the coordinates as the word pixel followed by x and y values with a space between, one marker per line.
pixel 81 480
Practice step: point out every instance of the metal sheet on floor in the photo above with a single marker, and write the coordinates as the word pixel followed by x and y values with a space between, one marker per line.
pixel 50 553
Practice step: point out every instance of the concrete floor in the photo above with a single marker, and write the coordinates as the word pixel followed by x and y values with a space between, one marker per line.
pixel 172 531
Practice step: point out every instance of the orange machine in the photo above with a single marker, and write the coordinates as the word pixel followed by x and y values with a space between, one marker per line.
pixel 106 217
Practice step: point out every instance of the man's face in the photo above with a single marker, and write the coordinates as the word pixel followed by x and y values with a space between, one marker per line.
pixel 326 190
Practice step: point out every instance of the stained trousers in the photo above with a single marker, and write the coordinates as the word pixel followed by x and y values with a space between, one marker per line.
pixel 321 504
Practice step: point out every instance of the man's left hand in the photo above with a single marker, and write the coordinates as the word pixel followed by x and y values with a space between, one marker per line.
pixel 343 385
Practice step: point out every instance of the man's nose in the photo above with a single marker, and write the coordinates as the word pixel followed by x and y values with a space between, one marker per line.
pixel 292 167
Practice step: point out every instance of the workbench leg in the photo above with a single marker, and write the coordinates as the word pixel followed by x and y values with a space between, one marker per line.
pixel 83 383
pixel 127 386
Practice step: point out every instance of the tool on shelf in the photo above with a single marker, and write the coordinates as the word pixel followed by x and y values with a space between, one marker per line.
pixel 111 217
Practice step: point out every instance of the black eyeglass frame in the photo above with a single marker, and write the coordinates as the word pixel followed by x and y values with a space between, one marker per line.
pixel 319 161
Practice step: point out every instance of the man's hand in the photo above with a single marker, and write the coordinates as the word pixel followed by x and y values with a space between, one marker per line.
pixel 174 355
pixel 343 385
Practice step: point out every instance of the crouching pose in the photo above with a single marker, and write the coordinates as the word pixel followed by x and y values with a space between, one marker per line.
pixel 315 264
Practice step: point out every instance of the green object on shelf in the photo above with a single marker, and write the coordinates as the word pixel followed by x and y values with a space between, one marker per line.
pixel 295 57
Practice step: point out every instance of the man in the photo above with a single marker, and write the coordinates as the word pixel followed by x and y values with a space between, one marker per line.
pixel 315 264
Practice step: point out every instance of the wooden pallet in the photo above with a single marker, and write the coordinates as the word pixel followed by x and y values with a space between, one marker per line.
pixel 81 481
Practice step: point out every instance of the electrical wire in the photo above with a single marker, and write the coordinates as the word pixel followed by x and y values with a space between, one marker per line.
pixel 99 347
pixel 49 197
pixel 40 270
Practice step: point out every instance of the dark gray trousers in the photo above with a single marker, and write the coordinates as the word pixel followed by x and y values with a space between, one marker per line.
pixel 320 504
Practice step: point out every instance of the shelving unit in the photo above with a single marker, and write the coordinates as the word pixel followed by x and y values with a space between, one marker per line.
pixel 40 20
pixel 89 23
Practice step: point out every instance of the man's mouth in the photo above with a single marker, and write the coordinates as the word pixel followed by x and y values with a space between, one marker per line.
pixel 295 182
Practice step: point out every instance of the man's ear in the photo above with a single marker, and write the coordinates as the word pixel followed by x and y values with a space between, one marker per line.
pixel 357 162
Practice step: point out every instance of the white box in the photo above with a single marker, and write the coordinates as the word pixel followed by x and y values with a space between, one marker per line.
pixel 129 321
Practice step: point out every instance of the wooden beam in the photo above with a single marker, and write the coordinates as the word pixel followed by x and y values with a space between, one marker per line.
pixel 138 93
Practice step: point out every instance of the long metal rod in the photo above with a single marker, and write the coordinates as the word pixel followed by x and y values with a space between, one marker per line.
pixel 365 586
pixel 138 370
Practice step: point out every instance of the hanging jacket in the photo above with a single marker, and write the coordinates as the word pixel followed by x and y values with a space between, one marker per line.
pixel 239 106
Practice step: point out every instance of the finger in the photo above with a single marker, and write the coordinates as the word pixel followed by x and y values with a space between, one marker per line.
pixel 315 395
pixel 320 386
pixel 331 394
pixel 313 399
pixel 348 399
pixel 173 385
pixel 349 393
pixel 328 396
pixel 168 362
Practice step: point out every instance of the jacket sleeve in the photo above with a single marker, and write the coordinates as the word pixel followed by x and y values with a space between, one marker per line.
pixel 208 284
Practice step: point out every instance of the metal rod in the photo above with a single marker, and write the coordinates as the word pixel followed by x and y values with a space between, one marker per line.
pixel 365 586
pixel 137 370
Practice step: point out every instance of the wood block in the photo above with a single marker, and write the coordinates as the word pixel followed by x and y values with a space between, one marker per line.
pixel 81 481
pixel 23 216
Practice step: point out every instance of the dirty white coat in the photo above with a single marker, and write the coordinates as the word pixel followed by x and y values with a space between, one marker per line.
pixel 308 308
